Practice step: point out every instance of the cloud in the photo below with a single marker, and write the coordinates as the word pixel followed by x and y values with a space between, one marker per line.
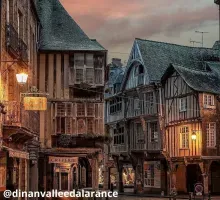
pixel 118 22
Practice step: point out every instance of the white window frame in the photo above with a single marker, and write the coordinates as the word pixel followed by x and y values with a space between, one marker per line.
pixel 149 176
pixel 211 135
pixel 183 104
pixel 209 101
pixel 184 137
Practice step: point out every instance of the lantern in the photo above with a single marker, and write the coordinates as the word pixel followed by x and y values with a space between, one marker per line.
pixel 21 78
pixel 193 136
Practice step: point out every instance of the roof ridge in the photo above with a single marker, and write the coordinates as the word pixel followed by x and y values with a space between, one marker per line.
pixel 161 42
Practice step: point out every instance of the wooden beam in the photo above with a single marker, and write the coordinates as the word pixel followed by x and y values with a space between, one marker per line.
pixel 66 76
pixel 51 78
pixel 58 76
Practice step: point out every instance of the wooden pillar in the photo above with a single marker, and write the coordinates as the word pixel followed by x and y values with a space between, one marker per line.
pixel 66 76
pixel 42 89
pixel 95 175
pixel 58 76
pixel 120 185
pixel 34 178
pixel 51 77
pixel 139 178
pixel 106 178
pixel 19 175
pixel 26 164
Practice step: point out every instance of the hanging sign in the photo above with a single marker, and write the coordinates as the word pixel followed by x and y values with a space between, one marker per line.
pixel 35 103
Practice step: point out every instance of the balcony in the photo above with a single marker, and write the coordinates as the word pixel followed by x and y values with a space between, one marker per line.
pixel 23 50
pixel 16 116
pixel 12 41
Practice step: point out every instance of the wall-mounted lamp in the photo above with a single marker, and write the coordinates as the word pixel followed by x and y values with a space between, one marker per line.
pixel 21 78
pixel 193 136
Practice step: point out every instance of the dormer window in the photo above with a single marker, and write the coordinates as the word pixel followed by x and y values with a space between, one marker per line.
pixel 139 70
pixel 209 101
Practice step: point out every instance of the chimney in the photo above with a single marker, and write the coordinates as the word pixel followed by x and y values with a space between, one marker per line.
pixel 117 61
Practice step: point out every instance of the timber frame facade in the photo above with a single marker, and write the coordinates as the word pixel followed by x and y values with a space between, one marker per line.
pixel 71 70
pixel 163 118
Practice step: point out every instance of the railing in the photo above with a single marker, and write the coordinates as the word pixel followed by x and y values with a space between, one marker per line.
pixel 154 146
pixel 23 50
pixel 12 40
pixel 17 116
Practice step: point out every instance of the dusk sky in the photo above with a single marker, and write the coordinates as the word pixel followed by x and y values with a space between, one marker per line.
pixel 115 23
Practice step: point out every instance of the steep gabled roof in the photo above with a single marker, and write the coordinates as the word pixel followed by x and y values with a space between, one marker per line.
pixel 158 55
pixel 202 81
pixel 59 30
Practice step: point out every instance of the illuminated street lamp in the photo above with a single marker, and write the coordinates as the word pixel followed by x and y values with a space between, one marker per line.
pixel 193 136
pixel 21 78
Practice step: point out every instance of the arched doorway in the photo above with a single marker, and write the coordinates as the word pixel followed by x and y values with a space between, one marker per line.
pixel 194 175
pixel 215 177
pixel 85 173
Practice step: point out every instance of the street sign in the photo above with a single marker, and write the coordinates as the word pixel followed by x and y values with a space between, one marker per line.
pixel 198 188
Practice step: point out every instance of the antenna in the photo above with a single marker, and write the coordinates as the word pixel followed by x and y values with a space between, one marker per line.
pixel 194 42
pixel 218 3
pixel 202 32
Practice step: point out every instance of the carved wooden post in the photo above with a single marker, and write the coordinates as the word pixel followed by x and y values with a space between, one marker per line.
pixel 119 167
pixel 139 177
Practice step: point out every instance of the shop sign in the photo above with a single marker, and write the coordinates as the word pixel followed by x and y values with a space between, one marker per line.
pixel 18 154
pixel 54 159
pixel 35 103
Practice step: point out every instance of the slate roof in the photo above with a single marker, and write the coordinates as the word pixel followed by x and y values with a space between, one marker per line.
pixel 59 30
pixel 202 81
pixel 216 45
pixel 157 56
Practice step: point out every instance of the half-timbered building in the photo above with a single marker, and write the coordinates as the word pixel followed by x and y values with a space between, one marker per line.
pixel 191 114
pixel 71 71
pixel 19 129
pixel 141 117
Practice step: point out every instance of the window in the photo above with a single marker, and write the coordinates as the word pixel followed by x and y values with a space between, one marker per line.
pixel 80 109
pixel 211 134
pixel 79 60
pixel 10 11
pixel 149 175
pixel 64 118
pixel 20 25
pixel 115 105
pixel 79 75
pixel 149 96
pixel 119 136
pixel 153 132
pixel 183 104
pixel 184 137
pixel 140 133
pixel 209 100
